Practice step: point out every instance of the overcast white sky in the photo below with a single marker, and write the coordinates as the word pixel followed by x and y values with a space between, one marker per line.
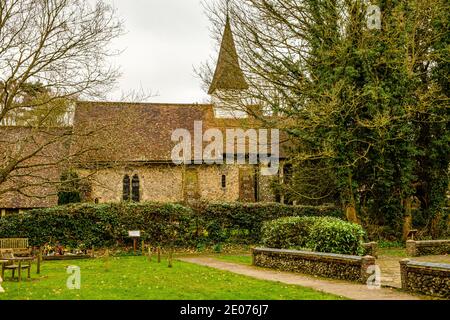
pixel 165 39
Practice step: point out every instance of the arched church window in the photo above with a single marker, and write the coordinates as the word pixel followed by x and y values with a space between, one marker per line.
pixel 135 194
pixel 126 188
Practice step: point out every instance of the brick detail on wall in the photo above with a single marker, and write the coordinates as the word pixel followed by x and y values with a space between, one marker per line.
pixel 371 249
pixel 427 247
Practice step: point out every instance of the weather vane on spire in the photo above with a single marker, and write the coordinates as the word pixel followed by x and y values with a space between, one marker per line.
pixel 228 8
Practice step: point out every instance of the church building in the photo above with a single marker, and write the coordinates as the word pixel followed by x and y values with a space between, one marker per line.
pixel 124 149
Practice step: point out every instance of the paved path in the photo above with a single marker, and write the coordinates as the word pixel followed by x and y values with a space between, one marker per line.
pixel 341 288
pixel 390 267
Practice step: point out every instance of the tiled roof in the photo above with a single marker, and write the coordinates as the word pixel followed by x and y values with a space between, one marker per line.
pixel 131 132
pixel 25 140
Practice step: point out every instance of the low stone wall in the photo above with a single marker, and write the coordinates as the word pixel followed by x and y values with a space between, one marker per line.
pixel 426 278
pixel 330 265
pixel 371 249
pixel 427 247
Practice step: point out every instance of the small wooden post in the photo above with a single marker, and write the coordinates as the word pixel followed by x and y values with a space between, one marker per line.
pixel 106 260
pixel 143 248
pixel 159 255
pixel 170 258
pixel 149 254
pixel 39 258
pixel 134 245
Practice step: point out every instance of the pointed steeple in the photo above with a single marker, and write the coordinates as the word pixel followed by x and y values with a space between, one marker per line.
pixel 228 74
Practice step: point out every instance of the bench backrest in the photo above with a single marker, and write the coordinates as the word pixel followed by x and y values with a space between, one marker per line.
pixel 14 243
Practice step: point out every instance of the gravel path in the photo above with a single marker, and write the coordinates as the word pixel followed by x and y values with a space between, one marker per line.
pixel 341 288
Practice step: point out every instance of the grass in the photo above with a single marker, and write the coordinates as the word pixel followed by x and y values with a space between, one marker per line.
pixel 390 244
pixel 393 252
pixel 135 278
pixel 241 259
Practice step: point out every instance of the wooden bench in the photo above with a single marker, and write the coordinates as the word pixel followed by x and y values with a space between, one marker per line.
pixel 13 263
pixel 18 245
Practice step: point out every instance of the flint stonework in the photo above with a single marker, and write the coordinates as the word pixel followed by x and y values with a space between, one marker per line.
pixel 329 265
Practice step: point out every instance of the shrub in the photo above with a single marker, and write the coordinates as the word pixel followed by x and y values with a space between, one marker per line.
pixel 70 188
pixel 336 236
pixel 322 234
pixel 287 233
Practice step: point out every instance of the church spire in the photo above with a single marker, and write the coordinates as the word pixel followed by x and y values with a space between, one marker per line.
pixel 228 74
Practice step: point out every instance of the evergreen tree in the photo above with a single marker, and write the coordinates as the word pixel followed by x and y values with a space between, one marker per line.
pixel 369 104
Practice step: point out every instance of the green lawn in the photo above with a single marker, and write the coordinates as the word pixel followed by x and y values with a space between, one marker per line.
pixel 135 278
pixel 241 259
pixel 393 252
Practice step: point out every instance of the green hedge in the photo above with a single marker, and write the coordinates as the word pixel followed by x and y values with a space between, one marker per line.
pixel 287 233
pixel 336 236
pixel 161 224
pixel 322 234
pixel 242 222
pixel 98 225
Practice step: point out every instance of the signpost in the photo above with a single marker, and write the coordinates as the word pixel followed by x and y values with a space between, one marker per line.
pixel 135 234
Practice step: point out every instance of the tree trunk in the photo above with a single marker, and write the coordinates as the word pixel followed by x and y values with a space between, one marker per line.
pixel 350 206
pixel 350 212
pixel 435 230
pixel 407 218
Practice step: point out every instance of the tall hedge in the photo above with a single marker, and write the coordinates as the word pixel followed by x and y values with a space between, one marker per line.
pixel 98 225
pixel 104 225
pixel 242 222
pixel 288 232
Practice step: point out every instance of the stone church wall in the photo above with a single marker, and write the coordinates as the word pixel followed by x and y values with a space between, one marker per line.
pixel 157 183
pixel 210 183
pixel 164 183
pixel 266 193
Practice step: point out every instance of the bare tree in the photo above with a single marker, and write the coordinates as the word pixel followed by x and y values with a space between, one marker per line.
pixel 63 46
